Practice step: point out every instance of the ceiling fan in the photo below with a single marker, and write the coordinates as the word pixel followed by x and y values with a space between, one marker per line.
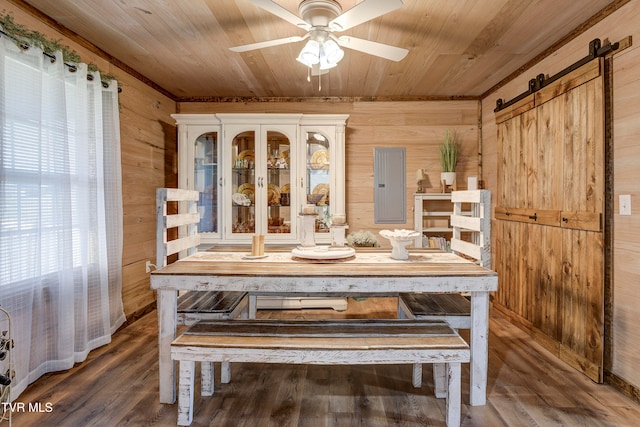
pixel 321 19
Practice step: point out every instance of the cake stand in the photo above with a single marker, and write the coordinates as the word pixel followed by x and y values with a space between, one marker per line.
pixel 400 239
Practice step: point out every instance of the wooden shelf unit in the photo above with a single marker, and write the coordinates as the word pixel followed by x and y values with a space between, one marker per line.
pixel 431 215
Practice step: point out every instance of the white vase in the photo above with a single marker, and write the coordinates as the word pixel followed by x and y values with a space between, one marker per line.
pixel 448 177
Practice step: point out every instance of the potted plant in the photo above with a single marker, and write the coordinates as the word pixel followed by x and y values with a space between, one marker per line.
pixel 449 157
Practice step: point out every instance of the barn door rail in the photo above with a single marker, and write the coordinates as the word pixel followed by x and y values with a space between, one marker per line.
pixel 596 50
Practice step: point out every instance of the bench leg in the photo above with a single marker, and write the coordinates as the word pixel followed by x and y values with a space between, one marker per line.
pixel 439 380
pixel 225 372
pixel 453 394
pixel 403 310
pixel 417 375
pixel 253 306
pixel 207 380
pixel 401 313
pixel 185 393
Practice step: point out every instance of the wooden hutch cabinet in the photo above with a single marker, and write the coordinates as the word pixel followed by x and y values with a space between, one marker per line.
pixel 255 172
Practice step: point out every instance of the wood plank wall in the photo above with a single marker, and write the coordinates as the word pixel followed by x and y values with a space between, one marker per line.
pixel 146 135
pixel 623 336
pixel 148 145
pixel 419 126
pixel 149 161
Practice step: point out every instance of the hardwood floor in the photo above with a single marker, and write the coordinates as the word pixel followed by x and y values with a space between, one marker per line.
pixel 117 386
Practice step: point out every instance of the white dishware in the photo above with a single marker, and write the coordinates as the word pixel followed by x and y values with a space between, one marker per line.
pixel 323 252
pixel 400 239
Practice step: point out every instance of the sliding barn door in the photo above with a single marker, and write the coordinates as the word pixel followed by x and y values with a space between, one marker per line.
pixel 549 217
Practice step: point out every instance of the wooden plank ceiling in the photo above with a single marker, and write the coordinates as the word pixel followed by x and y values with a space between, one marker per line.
pixel 457 48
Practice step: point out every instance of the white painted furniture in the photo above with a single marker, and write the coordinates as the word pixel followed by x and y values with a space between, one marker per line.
pixel 476 222
pixel 262 156
pixel 471 238
pixel 330 342
pixel 369 273
pixel 431 214
pixel 191 305
pixel 243 164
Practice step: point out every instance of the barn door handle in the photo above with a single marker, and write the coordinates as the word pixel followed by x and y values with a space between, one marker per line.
pixel 534 216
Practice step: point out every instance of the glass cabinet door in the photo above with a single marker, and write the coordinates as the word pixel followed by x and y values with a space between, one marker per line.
pixel 318 170
pixel 278 183
pixel 206 176
pixel 243 183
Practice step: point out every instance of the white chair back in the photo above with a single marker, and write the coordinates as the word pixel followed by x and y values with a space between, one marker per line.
pixel 476 222
pixel 186 220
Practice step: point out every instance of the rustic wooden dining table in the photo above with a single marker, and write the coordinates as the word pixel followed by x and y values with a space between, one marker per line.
pixel 368 273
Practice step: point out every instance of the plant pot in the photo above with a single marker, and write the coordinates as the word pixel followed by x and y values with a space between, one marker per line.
pixel 448 177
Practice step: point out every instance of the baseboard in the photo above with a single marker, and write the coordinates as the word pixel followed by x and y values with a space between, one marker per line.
pixel 137 315
pixel 622 386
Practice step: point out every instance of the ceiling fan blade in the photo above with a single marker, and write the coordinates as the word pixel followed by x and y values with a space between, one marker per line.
pixel 386 51
pixel 268 43
pixel 281 12
pixel 363 12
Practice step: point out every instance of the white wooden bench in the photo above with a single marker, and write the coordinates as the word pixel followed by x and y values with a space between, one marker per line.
pixel 455 309
pixel 193 305
pixel 321 342
pixel 208 305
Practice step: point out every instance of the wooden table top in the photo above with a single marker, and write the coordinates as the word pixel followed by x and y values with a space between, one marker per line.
pixel 363 264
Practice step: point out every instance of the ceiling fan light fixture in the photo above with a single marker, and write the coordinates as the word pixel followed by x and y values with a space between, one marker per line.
pixel 326 53
pixel 332 52
pixel 321 18
pixel 310 53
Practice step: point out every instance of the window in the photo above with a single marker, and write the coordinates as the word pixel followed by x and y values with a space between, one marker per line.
pixel 61 216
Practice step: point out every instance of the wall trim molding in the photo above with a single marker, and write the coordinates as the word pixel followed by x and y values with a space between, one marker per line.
pixel 622 386
pixel 324 99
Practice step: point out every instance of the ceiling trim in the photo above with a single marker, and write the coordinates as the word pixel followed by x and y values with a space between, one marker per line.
pixel 330 99
pixel 90 46
pixel 599 16
pixel 580 29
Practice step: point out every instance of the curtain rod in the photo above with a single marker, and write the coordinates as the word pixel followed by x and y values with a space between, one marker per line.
pixel 72 68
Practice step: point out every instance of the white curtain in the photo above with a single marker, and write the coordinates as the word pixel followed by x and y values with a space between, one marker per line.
pixel 60 211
